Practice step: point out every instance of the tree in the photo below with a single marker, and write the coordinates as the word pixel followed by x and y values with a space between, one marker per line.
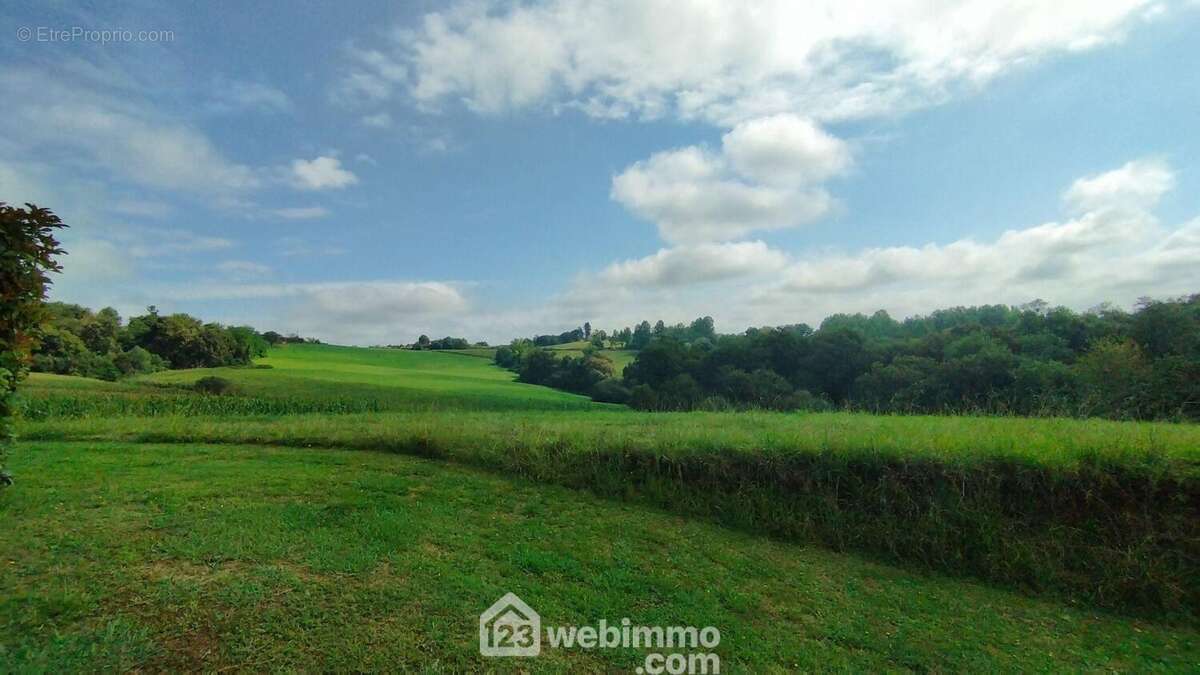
pixel 27 255
pixel 587 330
pixel 423 342
pixel 1115 379
pixel 640 337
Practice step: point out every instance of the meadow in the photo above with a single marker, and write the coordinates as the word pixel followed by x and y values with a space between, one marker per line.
pixel 355 508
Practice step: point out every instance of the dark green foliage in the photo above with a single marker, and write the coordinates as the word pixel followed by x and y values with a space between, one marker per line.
pixel 27 255
pixel 443 343
pixel 215 385
pixel 76 341
pixel 574 335
pixel 1030 360
pixel 610 390
pixel 1113 536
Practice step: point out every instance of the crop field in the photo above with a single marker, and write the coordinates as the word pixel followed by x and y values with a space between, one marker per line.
pixel 349 509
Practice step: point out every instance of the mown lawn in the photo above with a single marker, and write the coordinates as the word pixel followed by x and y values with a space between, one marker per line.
pixel 168 557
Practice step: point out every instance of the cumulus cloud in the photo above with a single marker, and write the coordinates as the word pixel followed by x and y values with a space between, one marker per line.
pixel 785 149
pixel 1137 185
pixel 693 264
pixel 350 312
pixel 766 176
pixel 1116 249
pixel 726 62
pixel 322 173
pixel 1113 241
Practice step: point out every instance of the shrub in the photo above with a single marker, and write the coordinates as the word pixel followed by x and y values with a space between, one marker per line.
pixel 610 390
pixel 802 399
pixel 215 385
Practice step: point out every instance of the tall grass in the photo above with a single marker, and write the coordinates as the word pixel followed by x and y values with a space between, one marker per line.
pixel 59 406
pixel 1099 512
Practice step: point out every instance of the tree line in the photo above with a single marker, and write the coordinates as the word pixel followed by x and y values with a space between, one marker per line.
pixel 1027 360
pixel 74 340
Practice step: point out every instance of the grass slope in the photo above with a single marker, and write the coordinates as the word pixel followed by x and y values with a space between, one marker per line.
pixel 1094 511
pixel 325 378
pixel 619 357
pixel 192 557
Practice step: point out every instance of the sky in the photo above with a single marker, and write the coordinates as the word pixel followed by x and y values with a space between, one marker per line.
pixel 367 172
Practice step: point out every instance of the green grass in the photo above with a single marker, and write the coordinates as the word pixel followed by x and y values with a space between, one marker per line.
pixel 311 378
pixel 619 357
pixel 1093 511
pixel 204 556
pixel 193 557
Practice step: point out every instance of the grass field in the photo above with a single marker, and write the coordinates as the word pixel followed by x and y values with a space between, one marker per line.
pixel 188 556
pixel 619 357
pixel 135 542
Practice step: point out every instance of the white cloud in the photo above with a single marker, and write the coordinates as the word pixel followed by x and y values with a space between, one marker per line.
pixel 727 62
pixel 321 173
pixel 765 177
pixel 299 247
pixel 1115 250
pixel 231 96
pixel 1137 185
pixel 300 212
pixel 154 242
pixel 378 120
pixel 355 312
pixel 373 77
pixel 244 269
pixel 1113 242
pixel 785 149
pixel 142 208
pixel 693 264
pixel 115 131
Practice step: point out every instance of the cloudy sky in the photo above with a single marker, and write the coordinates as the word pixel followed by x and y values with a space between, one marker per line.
pixel 365 172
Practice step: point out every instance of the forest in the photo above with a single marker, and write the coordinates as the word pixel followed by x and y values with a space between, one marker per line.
pixel 993 359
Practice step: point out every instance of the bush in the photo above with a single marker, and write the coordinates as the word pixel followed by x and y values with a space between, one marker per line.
pixel 214 385
pixel 802 399
pixel 610 390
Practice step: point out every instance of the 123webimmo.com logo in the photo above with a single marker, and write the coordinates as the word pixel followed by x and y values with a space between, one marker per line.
pixel 510 627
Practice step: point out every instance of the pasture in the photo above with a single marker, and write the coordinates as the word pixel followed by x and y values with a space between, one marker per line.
pixel 354 508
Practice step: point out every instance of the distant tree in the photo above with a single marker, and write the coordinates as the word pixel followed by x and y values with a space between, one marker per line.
pixel 1115 378
pixel 137 360
pixel 28 249
pixel 610 390
pixel 640 337
pixel 587 330
pixel 538 366
pixel 101 332
pixel 423 342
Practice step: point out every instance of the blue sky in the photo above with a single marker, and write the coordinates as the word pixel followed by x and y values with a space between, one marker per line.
pixel 366 172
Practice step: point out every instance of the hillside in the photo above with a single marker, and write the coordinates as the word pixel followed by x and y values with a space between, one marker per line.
pixel 237 530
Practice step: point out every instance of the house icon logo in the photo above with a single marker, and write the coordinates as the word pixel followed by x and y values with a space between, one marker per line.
pixel 510 628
